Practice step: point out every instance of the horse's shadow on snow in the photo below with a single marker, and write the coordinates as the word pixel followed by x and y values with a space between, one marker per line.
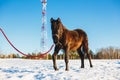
pixel 13 70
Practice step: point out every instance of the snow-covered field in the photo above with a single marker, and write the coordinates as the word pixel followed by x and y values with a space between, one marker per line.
pixel 21 69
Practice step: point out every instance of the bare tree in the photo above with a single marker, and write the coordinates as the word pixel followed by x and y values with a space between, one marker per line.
pixel 108 53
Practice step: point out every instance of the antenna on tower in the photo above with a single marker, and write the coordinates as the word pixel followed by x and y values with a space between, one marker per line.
pixel 43 27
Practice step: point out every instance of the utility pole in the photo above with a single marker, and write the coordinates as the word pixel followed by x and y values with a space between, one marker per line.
pixel 44 27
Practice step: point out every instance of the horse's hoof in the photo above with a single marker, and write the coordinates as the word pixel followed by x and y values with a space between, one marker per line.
pixel 91 66
pixel 66 69
pixel 82 66
pixel 56 69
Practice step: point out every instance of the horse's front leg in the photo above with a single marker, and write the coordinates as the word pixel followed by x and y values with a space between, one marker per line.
pixel 66 61
pixel 54 56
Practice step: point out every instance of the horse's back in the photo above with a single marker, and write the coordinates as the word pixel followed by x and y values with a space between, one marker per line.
pixel 81 32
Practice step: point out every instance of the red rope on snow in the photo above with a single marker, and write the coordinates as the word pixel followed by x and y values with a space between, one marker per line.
pixel 31 56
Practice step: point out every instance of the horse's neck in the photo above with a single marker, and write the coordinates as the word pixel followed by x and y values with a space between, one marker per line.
pixel 64 30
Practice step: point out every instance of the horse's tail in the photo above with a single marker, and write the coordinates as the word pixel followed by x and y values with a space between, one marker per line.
pixel 86 49
pixel 85 44
pixel 85 40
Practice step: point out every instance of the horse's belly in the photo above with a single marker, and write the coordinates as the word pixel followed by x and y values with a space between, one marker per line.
pixel 75 47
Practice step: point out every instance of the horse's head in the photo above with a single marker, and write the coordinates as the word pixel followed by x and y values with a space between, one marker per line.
pixel 56 27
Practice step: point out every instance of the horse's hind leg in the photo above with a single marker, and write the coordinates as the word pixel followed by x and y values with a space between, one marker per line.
pixel 81 57
pixel 89 57
pixel 85 49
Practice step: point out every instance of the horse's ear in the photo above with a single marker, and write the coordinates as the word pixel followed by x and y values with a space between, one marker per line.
pixel 59 20
pixel 51 19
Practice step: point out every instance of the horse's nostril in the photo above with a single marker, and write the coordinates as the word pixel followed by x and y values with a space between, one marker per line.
pixel 55 42
pixel 55 39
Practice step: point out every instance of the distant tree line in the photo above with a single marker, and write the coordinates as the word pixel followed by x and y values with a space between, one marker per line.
pixel 103 53
pixel 107 53
pixel 12 55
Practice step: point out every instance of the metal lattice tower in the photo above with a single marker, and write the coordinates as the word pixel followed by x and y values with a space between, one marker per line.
pixel 43 28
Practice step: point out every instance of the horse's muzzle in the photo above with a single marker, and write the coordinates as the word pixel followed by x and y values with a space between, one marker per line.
pixel 55 38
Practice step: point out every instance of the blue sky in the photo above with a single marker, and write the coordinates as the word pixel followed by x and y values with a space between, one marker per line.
pixel 21 21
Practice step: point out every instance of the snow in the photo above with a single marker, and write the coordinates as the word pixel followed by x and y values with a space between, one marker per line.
pixel 24 69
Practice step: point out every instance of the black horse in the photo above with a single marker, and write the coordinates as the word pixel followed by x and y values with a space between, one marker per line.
pixel 68 40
